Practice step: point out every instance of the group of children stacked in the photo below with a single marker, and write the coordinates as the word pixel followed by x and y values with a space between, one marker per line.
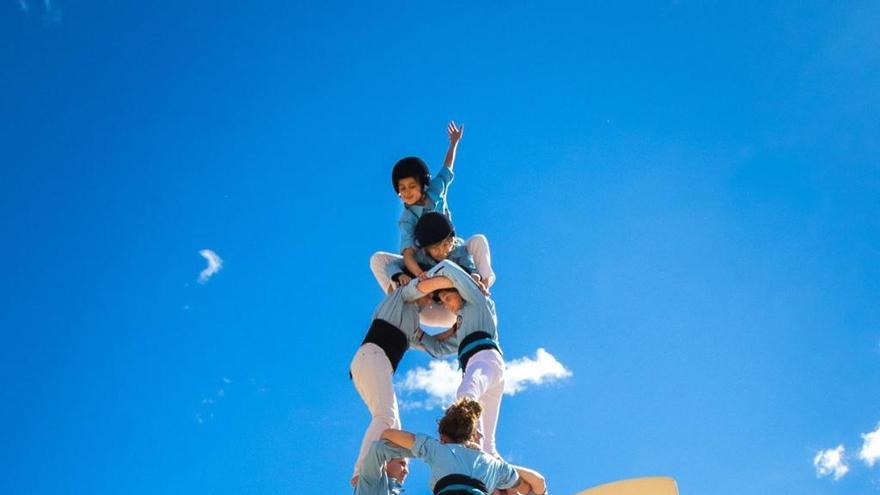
pixel 440 280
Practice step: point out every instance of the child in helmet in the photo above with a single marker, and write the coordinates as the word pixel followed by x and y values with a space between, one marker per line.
pixel 436 241
pixel 420 194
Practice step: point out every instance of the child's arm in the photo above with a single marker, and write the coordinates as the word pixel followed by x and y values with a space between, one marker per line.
pixel 466 286
pixel 455 134
pixel 409 260
pixel 404 439
pixel 537 483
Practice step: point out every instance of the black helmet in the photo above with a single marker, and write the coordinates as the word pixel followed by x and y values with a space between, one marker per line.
pixel 411 166
pixel 432 228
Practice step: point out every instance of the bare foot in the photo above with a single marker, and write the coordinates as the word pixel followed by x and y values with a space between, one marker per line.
pixel 354 480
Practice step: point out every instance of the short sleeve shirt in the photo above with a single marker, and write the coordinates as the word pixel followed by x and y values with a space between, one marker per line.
pixel 450 458
pixel 436 193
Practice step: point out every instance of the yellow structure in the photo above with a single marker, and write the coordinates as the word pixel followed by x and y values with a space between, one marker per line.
pixel 657 485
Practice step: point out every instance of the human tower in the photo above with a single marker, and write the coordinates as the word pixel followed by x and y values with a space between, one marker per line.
pixel 441 280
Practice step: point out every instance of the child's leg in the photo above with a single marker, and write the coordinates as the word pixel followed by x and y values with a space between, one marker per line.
pixel 384 265
pixel 371 373
pixel 478 247
pixel 436 315
pixel 483 381
pixel 491 402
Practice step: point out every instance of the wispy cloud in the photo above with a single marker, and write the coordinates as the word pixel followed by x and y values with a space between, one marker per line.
pixel 435 386
pixel 870 447
pixel 227 389
pixel 215 263
pixel 830 462
pixel 23 5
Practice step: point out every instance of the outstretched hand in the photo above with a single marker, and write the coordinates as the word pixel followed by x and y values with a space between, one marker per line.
pixel 454 132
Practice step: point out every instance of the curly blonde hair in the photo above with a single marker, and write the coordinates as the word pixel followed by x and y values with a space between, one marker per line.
pixel 459 423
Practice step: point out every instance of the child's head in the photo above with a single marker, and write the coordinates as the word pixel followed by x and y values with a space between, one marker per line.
pixel 449 299
pixel 459 423
pixel 410 178
pixel 435 233
pixel 397 468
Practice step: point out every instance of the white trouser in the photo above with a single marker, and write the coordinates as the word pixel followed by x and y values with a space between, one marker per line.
pixel 371 373
pixel 478 247
pixel 483 382
pixel 435 315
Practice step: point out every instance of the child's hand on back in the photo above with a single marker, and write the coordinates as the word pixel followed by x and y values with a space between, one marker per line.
pixel 423 276
pixel 454 132
pixel 482 285
pixel 403 280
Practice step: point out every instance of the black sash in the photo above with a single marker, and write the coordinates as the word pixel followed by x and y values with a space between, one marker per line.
pixel 459 484
pixel 390 338
pixel 472 344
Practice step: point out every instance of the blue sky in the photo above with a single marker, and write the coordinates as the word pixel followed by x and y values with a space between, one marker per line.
pixel 681 199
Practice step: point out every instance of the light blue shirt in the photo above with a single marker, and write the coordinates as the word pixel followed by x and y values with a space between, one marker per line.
pixel 451 458
pixel 373 479
pixel 459 255
pixel 437 348
pixel 477 312
pixel 436 201
pixel 398 309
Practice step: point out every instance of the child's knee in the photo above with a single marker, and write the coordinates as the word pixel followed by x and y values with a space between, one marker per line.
pixel 478 241
pixel 379 259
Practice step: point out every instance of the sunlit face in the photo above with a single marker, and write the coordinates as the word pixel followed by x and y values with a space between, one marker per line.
pixel 451 300
pixel 440 251
pixel 410 190
pixel 397 468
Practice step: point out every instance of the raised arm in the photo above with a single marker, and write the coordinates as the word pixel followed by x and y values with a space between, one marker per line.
pixel 435 283
pixel 455 134
pixel 460 279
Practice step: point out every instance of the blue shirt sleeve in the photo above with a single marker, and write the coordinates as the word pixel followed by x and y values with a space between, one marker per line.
pixel 507 476
pixel 425 447
pixel 407 226
pixel 462 282
pixel 439 185
pixel 411 292
pixel 463 258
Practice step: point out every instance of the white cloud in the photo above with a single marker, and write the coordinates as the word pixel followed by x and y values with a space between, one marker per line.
pixel 830 462
pixel 441 379
pixel 439 382
pixel 525 371
pixel 215 263
pixel 870 452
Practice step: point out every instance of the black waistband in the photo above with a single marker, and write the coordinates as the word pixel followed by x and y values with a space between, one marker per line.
pixel 472 344
pixel 390 338
pixel 458 484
